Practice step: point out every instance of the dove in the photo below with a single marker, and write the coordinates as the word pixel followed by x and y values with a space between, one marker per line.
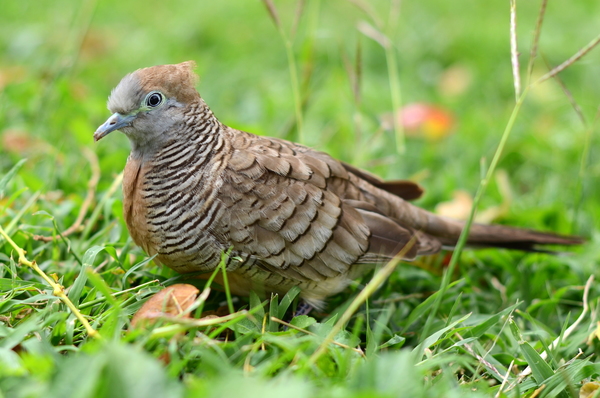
pixel 287 215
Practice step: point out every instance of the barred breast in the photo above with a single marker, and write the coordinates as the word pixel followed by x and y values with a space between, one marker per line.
pixel 173 206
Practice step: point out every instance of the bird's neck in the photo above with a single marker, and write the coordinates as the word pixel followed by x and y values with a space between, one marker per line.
pixel 200 131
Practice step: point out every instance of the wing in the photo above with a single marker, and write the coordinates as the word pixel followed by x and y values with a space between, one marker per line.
pixel 284 208
pixel 407 190
pixel 279 211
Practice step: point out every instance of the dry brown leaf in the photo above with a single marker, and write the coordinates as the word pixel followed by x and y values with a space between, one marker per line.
pixel 170 302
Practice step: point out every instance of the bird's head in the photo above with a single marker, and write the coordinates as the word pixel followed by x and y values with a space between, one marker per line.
pixel 149 103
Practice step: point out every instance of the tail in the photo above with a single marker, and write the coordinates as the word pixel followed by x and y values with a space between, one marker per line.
pixel 448 231
pixel 393 222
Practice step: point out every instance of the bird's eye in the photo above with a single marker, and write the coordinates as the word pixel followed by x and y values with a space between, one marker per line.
pixel 154 99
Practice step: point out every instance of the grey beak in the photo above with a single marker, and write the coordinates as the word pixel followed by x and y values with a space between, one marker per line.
pixel 115 122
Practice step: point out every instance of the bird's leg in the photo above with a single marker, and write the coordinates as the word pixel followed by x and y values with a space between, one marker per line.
pixel 303 309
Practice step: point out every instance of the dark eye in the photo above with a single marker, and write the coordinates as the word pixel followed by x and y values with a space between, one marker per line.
pixel 154 99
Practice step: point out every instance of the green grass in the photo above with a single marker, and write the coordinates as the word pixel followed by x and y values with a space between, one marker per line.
pixel 501 309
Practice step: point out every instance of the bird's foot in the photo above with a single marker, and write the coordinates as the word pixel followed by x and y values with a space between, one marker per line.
pixel 303 309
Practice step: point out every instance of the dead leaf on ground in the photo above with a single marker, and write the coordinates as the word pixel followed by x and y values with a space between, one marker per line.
pixel 460 205
pixel 170 302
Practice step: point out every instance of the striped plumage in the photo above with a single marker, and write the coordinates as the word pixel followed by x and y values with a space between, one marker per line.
pixel 292 216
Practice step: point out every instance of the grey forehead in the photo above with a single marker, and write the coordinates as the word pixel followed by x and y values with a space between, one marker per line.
pixel 127 96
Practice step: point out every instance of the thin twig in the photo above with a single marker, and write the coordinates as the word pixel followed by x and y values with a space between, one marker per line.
pixel 297 17
pixel 505 379
pixel 568 94
pixel 368 9
pixel 272 12
pixel 481 359
pixel 92 184
pixel 579 54
pixel 373 33
pixel 57 289
pixel 514 53
pixel 536 39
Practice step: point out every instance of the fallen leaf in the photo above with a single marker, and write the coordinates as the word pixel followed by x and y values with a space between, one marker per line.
pixel 173 301
pixel 588 389
pixel 460 205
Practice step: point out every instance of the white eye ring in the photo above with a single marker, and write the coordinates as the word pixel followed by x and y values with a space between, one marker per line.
pixel 154 99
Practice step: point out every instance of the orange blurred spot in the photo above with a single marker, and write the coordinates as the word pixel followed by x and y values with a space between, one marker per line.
pixel 22 143
pixel 422 120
